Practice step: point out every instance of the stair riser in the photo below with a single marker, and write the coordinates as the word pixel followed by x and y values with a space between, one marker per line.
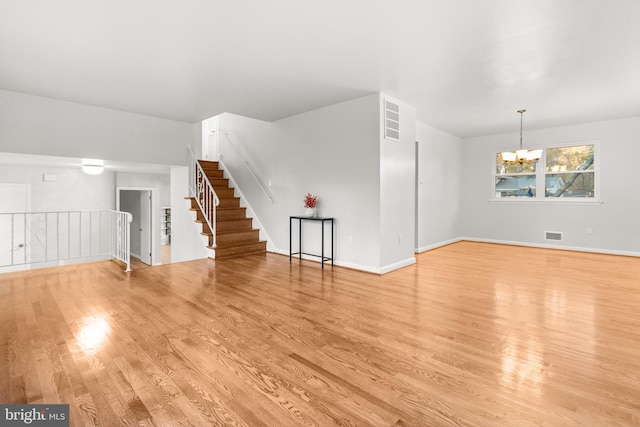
pixel 235 225
pixel 208 164
pixel 225 193
pixel 214 174
pixel 222 214
pixel 219 183
pixel 241 250
pixel 230 203
pixel 205 228
pixel 230 239
pixel 195 208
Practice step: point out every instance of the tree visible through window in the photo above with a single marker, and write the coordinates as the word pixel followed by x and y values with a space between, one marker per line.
pixel 565 172
pixel 574 168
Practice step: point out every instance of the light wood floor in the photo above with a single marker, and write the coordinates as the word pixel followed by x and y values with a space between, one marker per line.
pixel 165 251
pixel 474 334
pixel 165 258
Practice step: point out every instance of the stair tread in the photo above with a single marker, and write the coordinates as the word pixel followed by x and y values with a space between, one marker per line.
pixel 239 245
pixel 222 257
pixel 234 231
pixel 238 231
pixel 244 244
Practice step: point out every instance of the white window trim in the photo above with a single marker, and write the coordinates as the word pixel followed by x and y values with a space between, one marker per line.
pixel 540 178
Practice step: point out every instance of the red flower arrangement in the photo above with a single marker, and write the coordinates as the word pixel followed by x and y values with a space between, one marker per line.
pixel 310 201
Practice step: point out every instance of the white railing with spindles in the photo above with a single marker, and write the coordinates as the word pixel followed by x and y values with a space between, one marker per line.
pixel 120 247
pixel 52 238
pixel 202 190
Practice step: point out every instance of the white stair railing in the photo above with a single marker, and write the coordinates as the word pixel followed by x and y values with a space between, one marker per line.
pixel 51 237
pixel 202 190
pixel 120 247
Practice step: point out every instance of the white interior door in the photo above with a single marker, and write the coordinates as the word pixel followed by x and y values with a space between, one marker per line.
pixel 145 226
pixel 14 198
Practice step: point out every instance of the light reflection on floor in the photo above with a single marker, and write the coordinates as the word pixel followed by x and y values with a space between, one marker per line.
pixel 93 333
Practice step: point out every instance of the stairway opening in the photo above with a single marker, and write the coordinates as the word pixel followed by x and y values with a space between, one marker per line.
pixel 235 235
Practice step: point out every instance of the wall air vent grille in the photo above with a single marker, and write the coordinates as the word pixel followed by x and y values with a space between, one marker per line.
pixel 555 236
pixel 391 120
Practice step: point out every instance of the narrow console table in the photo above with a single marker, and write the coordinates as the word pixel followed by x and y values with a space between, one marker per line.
pixel 301 219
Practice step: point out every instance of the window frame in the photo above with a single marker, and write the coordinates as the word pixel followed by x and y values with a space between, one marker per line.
pixel 541 174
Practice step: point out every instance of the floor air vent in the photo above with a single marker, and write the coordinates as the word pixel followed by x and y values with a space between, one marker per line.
pixel 555 236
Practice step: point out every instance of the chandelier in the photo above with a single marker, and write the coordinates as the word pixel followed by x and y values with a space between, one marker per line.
pixel 521 156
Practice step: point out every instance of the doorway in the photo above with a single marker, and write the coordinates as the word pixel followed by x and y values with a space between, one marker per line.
pixel 14 198
pixel 418 184
pixel 139 203
pixel 210 139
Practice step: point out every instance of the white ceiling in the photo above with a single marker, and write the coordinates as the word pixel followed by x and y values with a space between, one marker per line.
pixel 466 65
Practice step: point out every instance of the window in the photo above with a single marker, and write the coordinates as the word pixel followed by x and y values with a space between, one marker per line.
pixel 564 172
pixel 515 179
pixel 570 171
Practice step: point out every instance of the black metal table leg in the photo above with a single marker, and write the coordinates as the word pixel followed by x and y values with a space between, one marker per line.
pixel 300 238
pixel 332 257
pixel 322 253
pixel 290 229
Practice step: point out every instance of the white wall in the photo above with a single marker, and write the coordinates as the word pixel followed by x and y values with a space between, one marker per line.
pixel 614 223
pixel 159 182
pixel 186 244
pixel 332 152
pixel 35 125
pixel 74 190
pixel 397 191
pixel 439 187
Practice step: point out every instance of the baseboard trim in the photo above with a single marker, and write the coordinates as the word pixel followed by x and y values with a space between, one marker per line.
pixel 57 263
pixel 548 246
pixel 413 260
pixel 397 265
pixel 438 245
pixel 352 266
pixel 358 267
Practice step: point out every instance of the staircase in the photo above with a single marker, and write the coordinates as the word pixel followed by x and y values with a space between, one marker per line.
pixel 235 235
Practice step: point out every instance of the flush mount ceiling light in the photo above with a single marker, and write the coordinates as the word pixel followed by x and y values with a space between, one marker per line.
pixel 92 167
pixel 521 156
